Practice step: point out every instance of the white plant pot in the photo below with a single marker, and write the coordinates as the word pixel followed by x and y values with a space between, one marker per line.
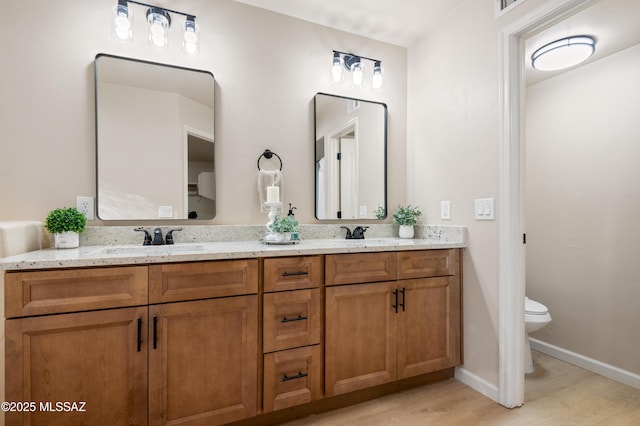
pixel 406 231
pixel 67 239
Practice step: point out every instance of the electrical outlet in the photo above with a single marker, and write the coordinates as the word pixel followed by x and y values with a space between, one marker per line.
pixel 85 206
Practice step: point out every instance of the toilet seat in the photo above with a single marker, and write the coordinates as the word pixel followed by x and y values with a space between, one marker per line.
pixel 531 307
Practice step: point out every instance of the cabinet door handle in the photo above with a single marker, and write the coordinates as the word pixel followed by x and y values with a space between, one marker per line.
pixel 402 304
pixel 292 274
pixel 395 305
pixel 155 331
pixel 298 318
pixel 139 334
pixel 297 376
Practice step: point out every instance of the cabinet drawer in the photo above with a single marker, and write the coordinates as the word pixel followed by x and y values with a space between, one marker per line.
pixel 71 290
pixel 360 268
pixel 292 377
pixel 292 273
pixel 427 263
pixel 291 319
pixel 175 282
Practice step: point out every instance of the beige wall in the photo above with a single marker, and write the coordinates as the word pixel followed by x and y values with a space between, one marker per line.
pixel 583 206
pixel 267 67
pixel 452 154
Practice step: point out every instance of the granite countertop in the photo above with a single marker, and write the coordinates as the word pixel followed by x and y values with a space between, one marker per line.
pixel 108 255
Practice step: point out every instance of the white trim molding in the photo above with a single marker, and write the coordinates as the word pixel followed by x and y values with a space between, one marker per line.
pixel 476 383
pixel 593 365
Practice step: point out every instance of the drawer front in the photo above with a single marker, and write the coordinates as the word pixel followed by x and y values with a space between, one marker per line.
pixel 72 290
pixel 291 319
pixel 427 263
pixel 175 282
pixel 360 268
pixel 292 378
pixel 293 273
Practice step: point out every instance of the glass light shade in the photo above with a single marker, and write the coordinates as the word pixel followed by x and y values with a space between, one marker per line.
pixel 159 22
pixel 336 68
pixel 191 37
pixel 358 74
pixel 563 53
pixel 376 81
pixel 122 23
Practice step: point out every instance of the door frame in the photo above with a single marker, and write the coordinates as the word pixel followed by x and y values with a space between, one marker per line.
pixel 511 251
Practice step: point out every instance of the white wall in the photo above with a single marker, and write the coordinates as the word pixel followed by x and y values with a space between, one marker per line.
pixel 267 68
pixel 583 207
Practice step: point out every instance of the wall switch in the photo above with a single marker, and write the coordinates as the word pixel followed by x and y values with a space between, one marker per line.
pixel 445 210
pixel 485 209
pixel 85 206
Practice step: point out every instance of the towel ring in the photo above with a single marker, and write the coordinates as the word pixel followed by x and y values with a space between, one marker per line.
pixel 268 154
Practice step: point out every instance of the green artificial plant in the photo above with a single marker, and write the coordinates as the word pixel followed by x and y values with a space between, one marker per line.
pixel 65 219
pixel 406 215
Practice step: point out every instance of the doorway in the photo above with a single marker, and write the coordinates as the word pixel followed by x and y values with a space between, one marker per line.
pixel 512 225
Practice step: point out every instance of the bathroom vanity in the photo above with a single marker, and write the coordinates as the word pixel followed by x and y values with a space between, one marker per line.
pixel 226 332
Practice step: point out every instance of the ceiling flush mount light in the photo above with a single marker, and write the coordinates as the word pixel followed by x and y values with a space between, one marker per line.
pixel 563 53
pixel 159 20
pixel 353 64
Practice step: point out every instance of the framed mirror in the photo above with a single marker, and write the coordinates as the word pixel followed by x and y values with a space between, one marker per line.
pixel 350 157
pixel 155 155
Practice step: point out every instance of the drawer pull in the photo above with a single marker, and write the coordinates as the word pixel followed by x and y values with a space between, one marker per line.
pixel 298 318
pixel 297 376
pixel 139 334
pixel 293 274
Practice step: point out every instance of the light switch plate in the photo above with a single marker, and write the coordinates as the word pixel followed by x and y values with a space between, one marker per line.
pixel 485 209
pixel 445 210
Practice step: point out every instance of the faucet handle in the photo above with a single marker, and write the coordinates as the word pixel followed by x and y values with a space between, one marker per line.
pixel 358 232
pixel 169 237
pixel 147 236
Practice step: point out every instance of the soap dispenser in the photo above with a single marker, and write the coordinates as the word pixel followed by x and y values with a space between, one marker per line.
pixel 294 235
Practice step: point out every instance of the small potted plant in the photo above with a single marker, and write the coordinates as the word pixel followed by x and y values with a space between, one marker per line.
pixel 65 224
pixel 283 226
pixel 406 217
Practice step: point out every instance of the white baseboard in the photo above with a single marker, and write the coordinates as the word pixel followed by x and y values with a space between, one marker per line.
pixel 477 383
pixel 606 370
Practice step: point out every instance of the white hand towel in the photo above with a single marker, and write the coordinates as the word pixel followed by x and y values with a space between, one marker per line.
pixel 268 178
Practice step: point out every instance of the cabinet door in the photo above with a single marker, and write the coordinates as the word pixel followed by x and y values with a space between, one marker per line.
pixel 428 325
pixel 203 359
pixel 96 358
pixel 360 344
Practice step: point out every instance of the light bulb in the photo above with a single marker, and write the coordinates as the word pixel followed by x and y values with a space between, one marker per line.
pixel 336 68
pixel 358 74
pixel 121 23
pixel 191 36
pixel 159 22
pixel 376 82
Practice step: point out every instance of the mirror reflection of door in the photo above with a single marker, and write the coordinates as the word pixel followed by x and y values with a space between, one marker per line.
pixel 200 176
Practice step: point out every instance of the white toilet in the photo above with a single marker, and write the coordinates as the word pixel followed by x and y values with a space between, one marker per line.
pixel 536 316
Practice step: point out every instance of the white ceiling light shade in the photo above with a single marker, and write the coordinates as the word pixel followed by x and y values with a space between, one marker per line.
pixel 563 53
pixel 191 36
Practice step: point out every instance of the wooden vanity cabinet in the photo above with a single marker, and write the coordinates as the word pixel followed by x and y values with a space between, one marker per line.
pixel 379 332
pixel 292 332
pixel 191 362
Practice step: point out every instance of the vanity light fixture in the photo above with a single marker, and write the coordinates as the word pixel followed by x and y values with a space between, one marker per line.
pixel 353 63
pixel 159 20
pixel 563 53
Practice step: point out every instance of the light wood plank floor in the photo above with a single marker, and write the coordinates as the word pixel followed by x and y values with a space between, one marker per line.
pixel 556 394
